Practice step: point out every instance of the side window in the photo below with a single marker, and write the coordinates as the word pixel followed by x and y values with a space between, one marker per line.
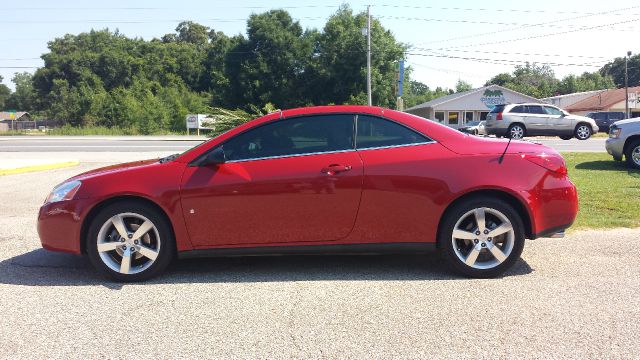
pixel 535 109
pixel 616 116
pixel 552 111
pixel 377 132
pixel 520 109
pixel 295 136
pixel 600 116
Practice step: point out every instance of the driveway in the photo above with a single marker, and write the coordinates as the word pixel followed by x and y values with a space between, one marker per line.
pixel 567 298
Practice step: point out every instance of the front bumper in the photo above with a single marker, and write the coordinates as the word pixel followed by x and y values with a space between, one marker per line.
pixel 615 147
pixel 60 225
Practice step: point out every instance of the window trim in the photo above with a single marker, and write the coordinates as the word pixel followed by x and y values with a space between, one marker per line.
pixel 355 138
pixel 354 143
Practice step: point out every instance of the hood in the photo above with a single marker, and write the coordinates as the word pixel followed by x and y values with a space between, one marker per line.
pixel 627 121
pixel 582 118
pixel 115 168
pixel 474 145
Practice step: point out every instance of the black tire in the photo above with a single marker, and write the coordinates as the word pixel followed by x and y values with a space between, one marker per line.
pixel 566 137
pixel 516 131
pixel 634 146
pixel 165 241
pixel 456 213
pixel 582 131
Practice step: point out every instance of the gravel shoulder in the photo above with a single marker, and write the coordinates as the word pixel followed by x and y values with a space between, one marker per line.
pixel 567 298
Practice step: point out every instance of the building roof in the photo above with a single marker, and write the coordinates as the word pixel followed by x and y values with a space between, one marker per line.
pixel 573 94
pixel 447 98
pixel 602 100
pixel 5 115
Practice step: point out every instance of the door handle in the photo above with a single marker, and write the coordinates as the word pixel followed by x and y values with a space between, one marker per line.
pixel 335 168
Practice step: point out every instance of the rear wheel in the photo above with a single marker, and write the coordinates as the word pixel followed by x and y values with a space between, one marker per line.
pixel 482 237
pixel 632 154
pixel 516 131
pixel 130 241
pixel 583 132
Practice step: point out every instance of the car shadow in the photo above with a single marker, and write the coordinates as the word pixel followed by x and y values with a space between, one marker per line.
pixel 608 165
pixel 44 268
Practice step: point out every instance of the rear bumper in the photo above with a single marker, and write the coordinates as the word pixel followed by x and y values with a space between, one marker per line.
pixel 60 225
pixel 555 205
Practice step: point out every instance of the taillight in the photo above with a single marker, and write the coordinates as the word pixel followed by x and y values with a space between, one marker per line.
pixel 499 116
pixel 554 163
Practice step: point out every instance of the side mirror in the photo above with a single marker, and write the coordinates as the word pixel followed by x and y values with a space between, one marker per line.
pixel 214 157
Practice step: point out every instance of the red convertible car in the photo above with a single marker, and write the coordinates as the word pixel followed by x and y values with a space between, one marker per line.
pixel 333 179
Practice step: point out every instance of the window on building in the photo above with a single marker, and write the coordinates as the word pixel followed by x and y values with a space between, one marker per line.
pixel 454 118
pixel 483 115
pixel 376 132
pixel 468 116
pixel 440 116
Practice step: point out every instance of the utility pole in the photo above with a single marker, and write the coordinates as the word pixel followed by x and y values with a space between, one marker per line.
pixel 626 85
pixel 369 54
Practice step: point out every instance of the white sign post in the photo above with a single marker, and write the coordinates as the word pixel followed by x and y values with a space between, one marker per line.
pixel 196 121
pixel 633 100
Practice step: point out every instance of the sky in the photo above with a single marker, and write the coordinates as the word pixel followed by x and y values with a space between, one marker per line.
pixel 449 40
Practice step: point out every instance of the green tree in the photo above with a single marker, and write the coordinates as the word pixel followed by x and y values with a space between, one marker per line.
pixel 4 93
pixel 462 85
pixel 342 60
pixel 23 98
pixel 615 69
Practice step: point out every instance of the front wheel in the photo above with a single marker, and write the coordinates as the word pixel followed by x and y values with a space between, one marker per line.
pixel 632 154
pixel 482 237
pixel 583 132
pixel 130 241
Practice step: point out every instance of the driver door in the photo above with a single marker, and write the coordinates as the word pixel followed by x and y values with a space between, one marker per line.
pixel 295 180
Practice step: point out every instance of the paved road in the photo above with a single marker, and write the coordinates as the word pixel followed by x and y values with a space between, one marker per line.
pixel 567 298
pixel 138 144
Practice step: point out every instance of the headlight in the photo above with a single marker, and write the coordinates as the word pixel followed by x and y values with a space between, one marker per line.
pixel 64 191
pixel 614 132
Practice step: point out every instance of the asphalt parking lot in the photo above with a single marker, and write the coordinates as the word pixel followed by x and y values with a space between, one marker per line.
pixel 567 298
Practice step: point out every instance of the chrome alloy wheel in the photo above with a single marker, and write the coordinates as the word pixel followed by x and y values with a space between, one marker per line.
pixel 635 155
pixel 516 132
pixel 583 132
pixel 128 243
pixel 483 238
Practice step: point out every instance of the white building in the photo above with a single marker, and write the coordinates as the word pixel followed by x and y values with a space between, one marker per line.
pixel 473 105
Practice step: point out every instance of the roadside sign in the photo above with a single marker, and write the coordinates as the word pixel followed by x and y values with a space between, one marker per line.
pixel 633 100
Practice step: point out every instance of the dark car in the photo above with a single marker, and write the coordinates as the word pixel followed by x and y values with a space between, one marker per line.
pixel 605 118
pixel 317 180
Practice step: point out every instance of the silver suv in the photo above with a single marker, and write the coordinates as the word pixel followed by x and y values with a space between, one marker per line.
pixel 519 120
pixel 624 139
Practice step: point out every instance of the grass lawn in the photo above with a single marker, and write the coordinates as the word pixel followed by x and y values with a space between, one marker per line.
pixel 609 191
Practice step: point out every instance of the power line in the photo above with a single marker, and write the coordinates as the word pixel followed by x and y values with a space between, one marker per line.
pixel 537 36
pixel 481 9
pixel 500 61
pixel 533 25
pixel 518 53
